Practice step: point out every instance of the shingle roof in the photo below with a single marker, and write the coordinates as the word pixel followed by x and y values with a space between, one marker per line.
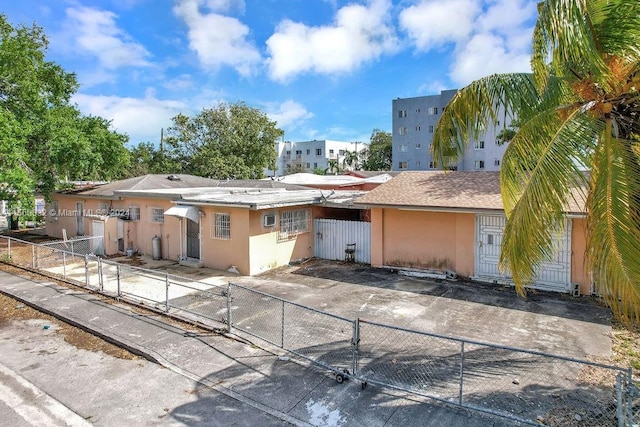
pixel 478 190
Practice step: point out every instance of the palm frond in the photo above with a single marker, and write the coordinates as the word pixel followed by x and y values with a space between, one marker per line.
pixel 613 225
pixel 540 178
pixel 475 107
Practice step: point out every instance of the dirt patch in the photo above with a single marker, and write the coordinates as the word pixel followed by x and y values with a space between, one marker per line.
pixel 11 309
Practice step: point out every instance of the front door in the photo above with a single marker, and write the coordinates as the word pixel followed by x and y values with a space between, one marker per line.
pixel 193 239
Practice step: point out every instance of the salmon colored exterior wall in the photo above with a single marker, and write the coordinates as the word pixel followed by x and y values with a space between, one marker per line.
pixel 578 254
pixel 438 240
pixel 252 248
pixel 446 240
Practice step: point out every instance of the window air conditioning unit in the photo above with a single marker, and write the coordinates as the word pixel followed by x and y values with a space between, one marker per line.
pixel 269 220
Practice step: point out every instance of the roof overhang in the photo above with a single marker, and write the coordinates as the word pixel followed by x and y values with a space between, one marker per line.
pixel 181 211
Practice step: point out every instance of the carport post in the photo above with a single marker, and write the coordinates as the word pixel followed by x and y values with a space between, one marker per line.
pixel 461 372
pixel 33 256
pixel 9 246
pixel 166 283
pixel 100 277
pixel 229 322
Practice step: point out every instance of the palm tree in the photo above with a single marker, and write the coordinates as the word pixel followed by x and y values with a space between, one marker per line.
pixel 350 159
pixel 579 109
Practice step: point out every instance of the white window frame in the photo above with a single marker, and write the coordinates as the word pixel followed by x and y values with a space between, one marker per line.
pixel 478 164
pixel 154 217
pixel 402 148
pixel 432 164
pixel 478 145
pixel 496 162
pixel 418 146
pixel 221 226
pixel 402 130
pixel 318 151
pixel 403 165
pixel 432 111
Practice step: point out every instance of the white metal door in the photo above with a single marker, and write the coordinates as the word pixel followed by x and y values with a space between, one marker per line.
pixel 332 237
pixel 554 274
pixel 97 243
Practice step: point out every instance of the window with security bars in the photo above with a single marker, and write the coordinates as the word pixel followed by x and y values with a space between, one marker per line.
pixel 293 223
pixel 134 213
pixel 156 215
pixel 221 227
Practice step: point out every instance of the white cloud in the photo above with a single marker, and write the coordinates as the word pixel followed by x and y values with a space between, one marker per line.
pixel 288 114
pixel 95 32
pixel 359 34
pixel 490 36
pixel 225 5
pixel 217 39
pixel 140 118
pixel 432 23
pixel 487 54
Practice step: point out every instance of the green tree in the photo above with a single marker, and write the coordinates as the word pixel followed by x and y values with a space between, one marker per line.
pixel 333 167
pixel 378 156
pixel 351 159
pixel 579 108
pixel 146 159
pixel 42 136
pixel 228 141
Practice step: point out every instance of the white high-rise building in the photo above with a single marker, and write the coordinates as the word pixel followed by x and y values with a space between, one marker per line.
pixel 308 156
pixel 414 121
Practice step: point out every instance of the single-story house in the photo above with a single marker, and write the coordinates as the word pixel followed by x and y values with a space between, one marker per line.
pixel 251 226
pixel 455 221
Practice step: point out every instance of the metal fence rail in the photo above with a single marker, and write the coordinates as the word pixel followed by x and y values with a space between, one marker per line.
pixel 526 386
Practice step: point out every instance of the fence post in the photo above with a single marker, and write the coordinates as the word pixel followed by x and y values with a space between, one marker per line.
pixel 33 256
pixel 461 372
pixel 72 251
pixel 619 403
pixel 9 247
pixel 86 270
pixel 630 391
pixel 355 343
pixel 100 276
pixel 64 265
pixel 166 282
pixel 229 322
pixel 118 277
pixel 282 330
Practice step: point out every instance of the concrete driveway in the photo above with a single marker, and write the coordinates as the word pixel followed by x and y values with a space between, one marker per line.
pixel 549 322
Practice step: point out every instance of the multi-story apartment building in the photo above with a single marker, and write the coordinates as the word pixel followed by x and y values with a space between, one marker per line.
pixel 307 156
pixel 414 121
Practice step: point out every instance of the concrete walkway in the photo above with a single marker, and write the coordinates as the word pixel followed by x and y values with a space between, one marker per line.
pixel 291 392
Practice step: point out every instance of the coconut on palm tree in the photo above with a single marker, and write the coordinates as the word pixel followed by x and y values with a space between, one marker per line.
pixel 578 135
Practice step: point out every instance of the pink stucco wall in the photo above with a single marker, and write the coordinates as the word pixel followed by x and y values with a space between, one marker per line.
pixel 421 239
pixel 579 272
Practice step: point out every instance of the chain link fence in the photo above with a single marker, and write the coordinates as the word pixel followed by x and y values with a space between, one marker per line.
pixel 525 386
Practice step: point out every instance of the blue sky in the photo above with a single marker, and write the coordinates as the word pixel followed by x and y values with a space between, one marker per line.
pixel 323 69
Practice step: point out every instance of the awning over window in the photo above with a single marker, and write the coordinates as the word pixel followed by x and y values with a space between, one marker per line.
pixel 191 212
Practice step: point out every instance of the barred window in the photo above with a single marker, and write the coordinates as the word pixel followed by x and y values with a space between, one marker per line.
pixel 134 213
pixel 221 227
pixel 294 222
pixel 157 215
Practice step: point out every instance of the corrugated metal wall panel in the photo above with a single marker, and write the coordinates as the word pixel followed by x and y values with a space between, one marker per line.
pixel 332 237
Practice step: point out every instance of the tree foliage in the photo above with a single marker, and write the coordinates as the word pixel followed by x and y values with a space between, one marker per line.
pixel 378 156
pixel 44 138
pixel 580 107
pixel 229 141
pixel 147 159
